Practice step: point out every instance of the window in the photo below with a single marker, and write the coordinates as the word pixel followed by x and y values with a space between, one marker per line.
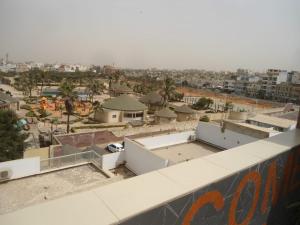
pixel 139 115
pixel 114 116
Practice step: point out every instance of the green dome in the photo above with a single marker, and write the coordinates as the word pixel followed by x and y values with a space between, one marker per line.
pixel 124 103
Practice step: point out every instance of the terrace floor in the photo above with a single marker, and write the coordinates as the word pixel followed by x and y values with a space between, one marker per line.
pixel 20 193
pixel 184 152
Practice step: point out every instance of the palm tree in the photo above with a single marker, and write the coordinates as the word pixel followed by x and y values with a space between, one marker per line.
pixel 94 87
pixel 67 91
pixel 168 89
pixel 42 77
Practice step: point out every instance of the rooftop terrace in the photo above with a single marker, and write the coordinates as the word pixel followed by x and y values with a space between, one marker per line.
pixel 185 152
pixel 20 193
pixel 170 196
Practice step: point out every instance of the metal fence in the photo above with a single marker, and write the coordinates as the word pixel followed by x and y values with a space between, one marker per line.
pixel 71 160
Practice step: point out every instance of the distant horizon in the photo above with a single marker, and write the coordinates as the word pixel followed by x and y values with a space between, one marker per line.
pixel 207 35
pixel 146 68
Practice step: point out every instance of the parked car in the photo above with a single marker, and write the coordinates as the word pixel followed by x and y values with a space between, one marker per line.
pixel 115 147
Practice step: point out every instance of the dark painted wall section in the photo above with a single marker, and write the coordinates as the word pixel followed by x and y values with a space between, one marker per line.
pixel 261 195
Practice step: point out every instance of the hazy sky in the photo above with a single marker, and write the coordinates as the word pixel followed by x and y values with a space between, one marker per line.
pixel 204 34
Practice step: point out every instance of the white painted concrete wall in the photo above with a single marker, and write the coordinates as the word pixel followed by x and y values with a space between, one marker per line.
pixel 212 134
pixel 140 160
pixel 112 160
pixel 22 167
pixel 165 140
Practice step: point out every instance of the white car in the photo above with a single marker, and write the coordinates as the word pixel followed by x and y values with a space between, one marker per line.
pixel 115 147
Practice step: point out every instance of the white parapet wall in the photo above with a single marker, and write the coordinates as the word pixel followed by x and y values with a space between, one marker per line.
pixel 21 167
pixel 165 140
pixel 140 160
pixel 112 160
pixel 212 134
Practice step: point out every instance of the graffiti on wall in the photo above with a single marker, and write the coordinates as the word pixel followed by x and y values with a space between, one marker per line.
pixel 260 195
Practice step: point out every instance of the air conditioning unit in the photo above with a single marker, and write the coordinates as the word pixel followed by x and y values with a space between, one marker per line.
pixel 5 174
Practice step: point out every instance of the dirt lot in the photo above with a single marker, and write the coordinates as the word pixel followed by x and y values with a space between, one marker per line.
pixel 223 97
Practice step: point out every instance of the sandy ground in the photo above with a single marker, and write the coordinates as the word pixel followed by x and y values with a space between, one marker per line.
pixel 23 192
pixel 223 97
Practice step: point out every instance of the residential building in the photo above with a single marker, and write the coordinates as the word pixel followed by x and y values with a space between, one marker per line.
pixel 165 115
pixel 287 92
pixel 22 67
pixel 154 101
pixel 185 113
pixel 123 108
pixel 243 81
pixel 229 85
pixel 272 78
pixel 8 102
pixel 295 77
pixel 254 90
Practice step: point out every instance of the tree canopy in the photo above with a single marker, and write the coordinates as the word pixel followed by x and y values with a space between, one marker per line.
pixel 203 103
pixel 11 138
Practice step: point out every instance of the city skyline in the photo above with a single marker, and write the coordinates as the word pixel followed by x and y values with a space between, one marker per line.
pixel 210 35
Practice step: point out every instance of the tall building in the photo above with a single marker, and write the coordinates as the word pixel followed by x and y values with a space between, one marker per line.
pixel 272 78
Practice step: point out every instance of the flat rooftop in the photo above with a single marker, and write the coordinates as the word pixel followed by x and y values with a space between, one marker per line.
pixel 141 197
pixel 272 120
pixel 20 193
pixel 185 152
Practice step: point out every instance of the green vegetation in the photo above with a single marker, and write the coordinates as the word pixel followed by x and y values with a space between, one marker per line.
pixel 203 103
pixel 11 139
pixel 44 113
pixel 30 114
pixel 204 119
pixel 67 91
pixel 168 89
pixel 228 106
pixel 94 87
pixel 177 97
pixel 27 107
pixel 26 83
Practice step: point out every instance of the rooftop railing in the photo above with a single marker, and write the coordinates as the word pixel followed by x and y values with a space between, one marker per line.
pixel 71 160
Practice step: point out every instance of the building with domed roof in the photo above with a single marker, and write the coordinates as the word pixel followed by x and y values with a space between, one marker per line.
pixel 123 108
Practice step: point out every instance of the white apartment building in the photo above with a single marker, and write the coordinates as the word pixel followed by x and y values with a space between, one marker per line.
pixel 229 85
pixel 271 79
pixel 295 77
pixel 243 81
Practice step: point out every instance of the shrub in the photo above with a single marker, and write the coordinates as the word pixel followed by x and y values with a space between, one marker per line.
pixel 203 103
pixel 204 119
pixel 30 114
pixel 27 107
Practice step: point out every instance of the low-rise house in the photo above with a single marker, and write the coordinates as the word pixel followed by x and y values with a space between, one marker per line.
pixel 185 113
pixel 117 89
pixel 165 115
pixel 154 101
pixel 8 102
pixel 82 92
pixel 123 108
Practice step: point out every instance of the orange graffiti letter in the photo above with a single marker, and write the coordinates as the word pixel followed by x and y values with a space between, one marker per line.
pixel 213 197
pixel 256 179
pixel 271 183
